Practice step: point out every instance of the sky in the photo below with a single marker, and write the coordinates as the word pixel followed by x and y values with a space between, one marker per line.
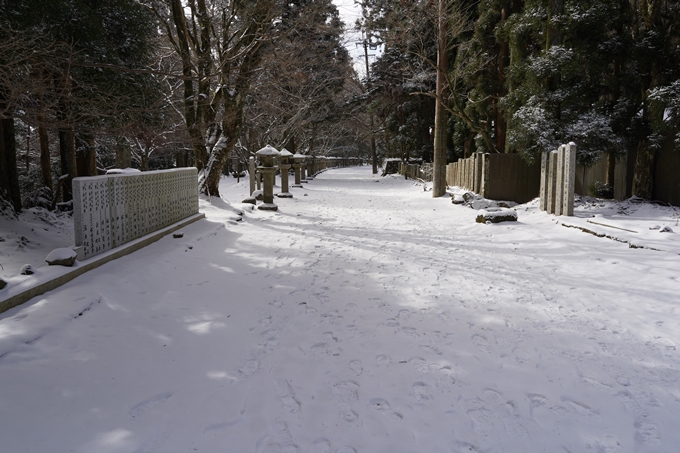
pixel 349 12
pixel 364 316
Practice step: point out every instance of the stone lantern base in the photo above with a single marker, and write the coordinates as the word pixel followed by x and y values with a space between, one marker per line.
pixel 268 207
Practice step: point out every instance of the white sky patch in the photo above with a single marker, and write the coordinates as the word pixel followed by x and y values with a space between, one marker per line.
pixel 349 13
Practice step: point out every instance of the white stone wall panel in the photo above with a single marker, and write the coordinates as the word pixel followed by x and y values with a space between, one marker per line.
pixel 114 209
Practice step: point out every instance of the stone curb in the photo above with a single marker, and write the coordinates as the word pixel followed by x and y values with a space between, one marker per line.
pixel 93 263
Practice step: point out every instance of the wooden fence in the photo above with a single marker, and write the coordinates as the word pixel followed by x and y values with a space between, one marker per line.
pixel 496 176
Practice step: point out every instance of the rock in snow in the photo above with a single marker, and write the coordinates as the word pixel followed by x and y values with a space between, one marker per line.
pixel 496 215
pixel 61 257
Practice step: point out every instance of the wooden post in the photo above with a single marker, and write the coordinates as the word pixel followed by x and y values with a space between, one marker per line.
pixel 543 192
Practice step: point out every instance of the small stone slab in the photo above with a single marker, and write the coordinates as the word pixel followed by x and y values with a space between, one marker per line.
pixel 178 235
pixel 258 195
pixel 251 200
pixel 496 215
pixel 61 257
pixel 27 269
pixel 284 195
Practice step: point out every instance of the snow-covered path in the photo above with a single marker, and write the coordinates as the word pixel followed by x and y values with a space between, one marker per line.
pixel 362 317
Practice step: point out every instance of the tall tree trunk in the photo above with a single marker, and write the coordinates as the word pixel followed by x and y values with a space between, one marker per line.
pixel 86 156
pixel 45 158
pixel 643 177
pixel 9 176
pixel 440 121
pixel 191 116
pixel 611 170
pixel 232 124
pixel 124 155
pixel 500 124
pixel 67 154
pixel 554 38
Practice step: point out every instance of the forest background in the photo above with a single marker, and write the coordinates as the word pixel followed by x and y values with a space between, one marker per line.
pixel 89 85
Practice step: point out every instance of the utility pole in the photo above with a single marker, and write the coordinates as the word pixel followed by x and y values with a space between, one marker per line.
pixel 440 116
pixel 374 156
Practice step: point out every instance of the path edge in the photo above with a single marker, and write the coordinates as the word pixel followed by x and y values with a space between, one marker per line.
pixel 93 263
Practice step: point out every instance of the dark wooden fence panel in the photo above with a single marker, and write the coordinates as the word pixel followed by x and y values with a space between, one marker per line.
pixel 667 175
pixel 511 178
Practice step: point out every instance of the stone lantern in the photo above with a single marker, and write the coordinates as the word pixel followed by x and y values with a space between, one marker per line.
pixel 267 157
pixel 285 161
pixel 299 166
pixel 311 163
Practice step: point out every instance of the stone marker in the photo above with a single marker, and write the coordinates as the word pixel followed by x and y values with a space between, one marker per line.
pixel 251 171
pixel 284 166
pixel 27 269
pixel 569 178
pixel 298 162
pixel 267 156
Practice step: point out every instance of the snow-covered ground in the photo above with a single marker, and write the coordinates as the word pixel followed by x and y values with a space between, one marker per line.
pixel 363 316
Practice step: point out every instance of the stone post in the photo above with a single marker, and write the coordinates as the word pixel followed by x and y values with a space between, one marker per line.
pixel 298 162
pixel 311 162
pixel 569 178
pixel 284 166
pixel 559 193
pixel 253 176
pixel 303 169
pixel 267 155
pixel 552 180
pixel 485 167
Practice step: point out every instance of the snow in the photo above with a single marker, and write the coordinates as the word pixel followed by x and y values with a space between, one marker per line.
pixel 364 317
pixel 268 151
pixel 119 171
pixel 61 254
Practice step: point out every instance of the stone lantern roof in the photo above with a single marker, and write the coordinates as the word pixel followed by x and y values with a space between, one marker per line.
pixel 268 151
pixel 285 153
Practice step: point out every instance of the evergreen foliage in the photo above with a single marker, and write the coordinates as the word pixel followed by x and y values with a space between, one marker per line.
pixel 529 75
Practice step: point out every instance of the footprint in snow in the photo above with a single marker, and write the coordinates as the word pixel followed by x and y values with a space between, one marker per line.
pixel 149 404
pixel 249 367
pixel 481 342
pixel 355 366
pixel 410 331
pixel 321 445
pixel 286 395
pixel 382 406
pixel 430 348
pixel 648 432
pixel 345 449
pixel 420 391
pixel 354 331
pixel 382 360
